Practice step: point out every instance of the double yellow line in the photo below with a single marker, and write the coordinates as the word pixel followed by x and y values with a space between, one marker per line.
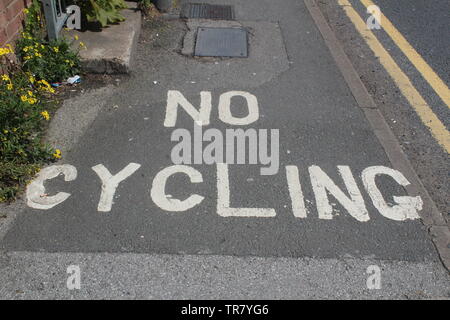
pixel 423 110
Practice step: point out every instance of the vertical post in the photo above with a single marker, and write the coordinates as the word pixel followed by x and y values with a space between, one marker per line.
pixel 55 16
pixel 50 18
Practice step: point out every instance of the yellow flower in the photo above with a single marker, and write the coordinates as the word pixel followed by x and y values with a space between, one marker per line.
pixel 44 85
pixel 30 93
pixel 26 35
pixel 5 131
pixel 56 49
pixel 57 154
pixel 9 86
pixel 10 48
pixel 4 51
pixel 32 79
pixel 25 11
pixel 5 77
pixel 45 115
pixel 24 98
pixel 32 100
pixel 76 37
pixel 82 45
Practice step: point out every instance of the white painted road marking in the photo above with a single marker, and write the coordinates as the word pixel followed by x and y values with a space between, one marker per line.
pixel 110 183
pixel 322 183
pixel 202 115
pixel 225 108
pixel 295 191
pixel 405 207
pixel 36 197
pixel 223 199
pixel 176 98
pixel 164 201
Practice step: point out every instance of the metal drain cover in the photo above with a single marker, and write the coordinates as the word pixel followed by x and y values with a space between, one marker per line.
pixel 207 11
pixel 221 42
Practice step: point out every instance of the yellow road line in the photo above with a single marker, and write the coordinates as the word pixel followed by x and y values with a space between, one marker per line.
pixel 416 59
pixel 423 110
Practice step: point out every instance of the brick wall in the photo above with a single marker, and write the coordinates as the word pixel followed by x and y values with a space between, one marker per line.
pixel 11 16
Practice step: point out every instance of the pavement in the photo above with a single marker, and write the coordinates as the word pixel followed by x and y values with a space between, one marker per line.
pixel 157 246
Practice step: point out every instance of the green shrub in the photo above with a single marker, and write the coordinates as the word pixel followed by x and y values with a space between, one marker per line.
pixel 26 101
pixel 13 175
pixel 52 61
pixel 34 23
pixel 103 11
pixel 23 112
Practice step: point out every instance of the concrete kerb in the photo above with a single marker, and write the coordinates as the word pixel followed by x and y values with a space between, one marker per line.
pixel 110 51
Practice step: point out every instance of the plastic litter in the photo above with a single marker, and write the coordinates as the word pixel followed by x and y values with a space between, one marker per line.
pixel 72 80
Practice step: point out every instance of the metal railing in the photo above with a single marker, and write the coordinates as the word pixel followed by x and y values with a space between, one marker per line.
pixel 55 16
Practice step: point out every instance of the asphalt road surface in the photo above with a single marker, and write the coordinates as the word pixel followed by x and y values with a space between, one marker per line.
pixel 336 204
pixel 420 50
pixel 423 24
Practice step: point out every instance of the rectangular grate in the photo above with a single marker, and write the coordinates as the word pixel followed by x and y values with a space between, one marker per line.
pixel 221 42
pixel 207 11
